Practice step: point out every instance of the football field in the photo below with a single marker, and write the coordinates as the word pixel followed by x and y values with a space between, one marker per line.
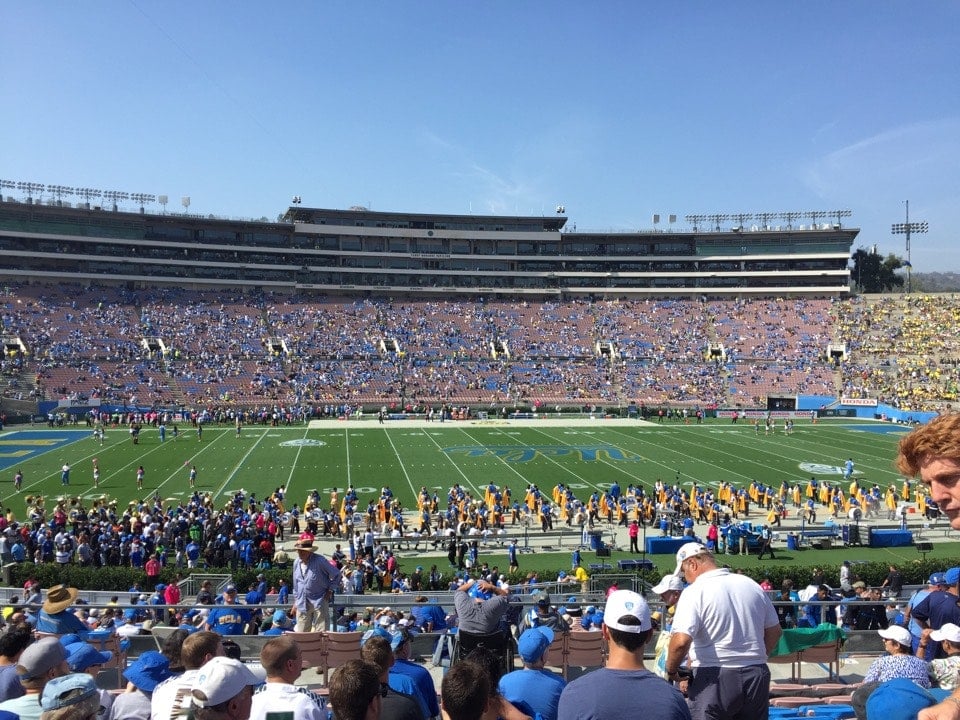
pixel 407 455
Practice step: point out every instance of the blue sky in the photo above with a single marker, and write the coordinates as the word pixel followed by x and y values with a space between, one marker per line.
pixel 617 110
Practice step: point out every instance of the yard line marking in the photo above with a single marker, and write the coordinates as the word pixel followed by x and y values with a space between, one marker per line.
pixel 452 462
pixel 219 490
pixel 193 458
pixel 609 464
pixel 646 459
pixel 402 466
pixel 56 473
pixel 502 462
pixel 294 465
pixel 346 439
pixel 559 465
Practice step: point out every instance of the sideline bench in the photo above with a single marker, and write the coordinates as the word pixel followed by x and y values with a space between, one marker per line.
pixel 635 564
pixel 828 533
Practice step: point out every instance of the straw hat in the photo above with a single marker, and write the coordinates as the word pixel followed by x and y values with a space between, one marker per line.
pixel 304 542
pixel 59 598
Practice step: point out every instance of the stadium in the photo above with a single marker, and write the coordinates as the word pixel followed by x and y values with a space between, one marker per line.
pixel 358 309
pixel 249 360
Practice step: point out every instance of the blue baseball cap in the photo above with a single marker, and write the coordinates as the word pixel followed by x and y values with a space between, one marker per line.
pixel 534 643
pixel 376 632
pixel 70 639
pixel 84 655
pixel 898 699
pixel 952 576
pixel 938 578
pixel 398 638
pixel 68 690
pixel 477 593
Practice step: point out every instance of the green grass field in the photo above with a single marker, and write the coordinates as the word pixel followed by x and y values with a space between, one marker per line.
pixel 408 456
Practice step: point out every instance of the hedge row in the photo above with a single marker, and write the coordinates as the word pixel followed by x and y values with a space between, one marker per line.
pixel 120 579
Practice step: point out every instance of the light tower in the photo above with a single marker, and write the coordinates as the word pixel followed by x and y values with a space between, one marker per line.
pixel 143 199
pixel 906 228
pixel 790 216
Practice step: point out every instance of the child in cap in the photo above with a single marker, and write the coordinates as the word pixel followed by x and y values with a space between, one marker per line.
pixel 944 672
pixel 143 676
pixel 84 658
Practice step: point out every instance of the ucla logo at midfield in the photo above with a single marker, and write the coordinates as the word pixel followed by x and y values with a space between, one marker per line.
pixel 821 469
pixel 526 453
pixel 303 442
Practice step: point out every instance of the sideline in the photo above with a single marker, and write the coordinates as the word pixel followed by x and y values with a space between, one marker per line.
pixel 367 422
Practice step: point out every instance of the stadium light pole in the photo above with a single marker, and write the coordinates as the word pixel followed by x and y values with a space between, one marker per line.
pixel 717 218
pixel 764 219
pixel 790 216
pixel 31 188
pixel 906 228
pixel 58 191
pixel 142 199
pixel 839 215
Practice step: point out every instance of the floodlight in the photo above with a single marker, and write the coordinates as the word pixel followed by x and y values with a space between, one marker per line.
pixel 30 189
pixel 790 216
pixel 840 214
pixel 717 218
pixel 142 199
pixel 906 228
pixel 764 218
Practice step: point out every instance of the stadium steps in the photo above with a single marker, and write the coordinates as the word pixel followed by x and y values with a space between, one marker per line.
pixel 179 396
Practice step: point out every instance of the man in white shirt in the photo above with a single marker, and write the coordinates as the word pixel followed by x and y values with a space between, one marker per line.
pixel 172 699
pixel 282 659
pixel 728 626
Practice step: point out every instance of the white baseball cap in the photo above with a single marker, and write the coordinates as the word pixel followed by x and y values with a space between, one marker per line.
pixel 897 634
pixel 669 582
pixel 221 679
pixel 626 602
pixel 688 551
pixel 947 631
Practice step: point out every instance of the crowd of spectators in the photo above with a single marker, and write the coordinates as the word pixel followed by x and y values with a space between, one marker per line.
pixel 904 350
pixel 206 348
